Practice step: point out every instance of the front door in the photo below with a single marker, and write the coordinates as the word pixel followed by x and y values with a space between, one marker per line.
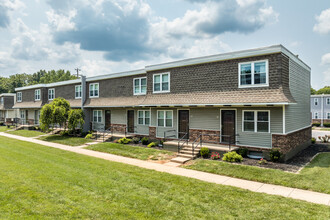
pixel 130 121
pixel 228 129
pixel 26 117
pixel 183 123
pixel 36 117
pixel 107 119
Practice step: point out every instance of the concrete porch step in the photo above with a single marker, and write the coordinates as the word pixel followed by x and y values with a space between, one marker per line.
pixel 180 160
pixel 211 146
pixel 186 155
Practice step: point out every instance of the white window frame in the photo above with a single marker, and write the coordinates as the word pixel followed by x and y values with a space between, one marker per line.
pixel 256 121
pixel 22 113
pixel 75 92
pixel 52 89
pixel 19 97
pixel 98 90
pixel 328 115
pixel 316 101
pixel 36 94
pixel 2 100
pixel 316 115
pixel 143 117
pixel 99 113
pixel 252 74
pixel 140 85
pixel 161 83
pixel 165 118
pixel 328 101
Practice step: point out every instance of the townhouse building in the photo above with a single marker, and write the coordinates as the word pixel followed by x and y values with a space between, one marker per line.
pixel 258 98
pixel 320 108
pixel 7 113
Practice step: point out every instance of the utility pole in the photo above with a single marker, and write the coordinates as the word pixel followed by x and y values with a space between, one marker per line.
pixel 77 71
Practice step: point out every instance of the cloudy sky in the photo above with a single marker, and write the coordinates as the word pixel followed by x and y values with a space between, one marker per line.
pixel 106 36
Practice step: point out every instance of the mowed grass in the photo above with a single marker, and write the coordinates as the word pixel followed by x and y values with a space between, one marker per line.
pixel 4 128
pixel 132 151
pixel 26 133
pixel 67 140
pixel 315 176
pixel 39 182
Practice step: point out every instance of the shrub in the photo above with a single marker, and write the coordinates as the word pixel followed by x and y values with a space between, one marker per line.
pixel 275 155
pixel 152 144
pixel 324 139
pixel 313 140
pixel 316 124
pixel 243 152
pixel 124 140
pixel 145 141
pixel 64 133
pixel 326 124
pixel 136 140
pixel 262 161
pixel 232 157
pixel 215 156
pixel 204 152
pixel 89 136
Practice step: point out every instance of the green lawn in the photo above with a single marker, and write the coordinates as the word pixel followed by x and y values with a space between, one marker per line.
pixel 4 128
pixel 325 129
pixel 38 182
pixel 314 177
pixel 67 140
pixel 132 151
pixel 26 133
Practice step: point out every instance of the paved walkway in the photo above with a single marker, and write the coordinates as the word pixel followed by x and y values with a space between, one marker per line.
pixel 309 196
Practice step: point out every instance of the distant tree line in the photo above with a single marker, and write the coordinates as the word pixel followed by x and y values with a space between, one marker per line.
pixel 8 84
pixel 324 90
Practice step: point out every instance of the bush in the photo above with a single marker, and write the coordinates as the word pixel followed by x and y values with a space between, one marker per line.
pixel 243 152
pixel 136 140
pixel 89 136
pixel 262 161
pixel 316 124
pixel 326 125
pixel 275 155
pixel 215 156
pixel 124 140
pixel 145 141
pixel 324 139
pixel 204 152
pixel 64 133
pixel 152 144
pixel 313 140
pixel 232 157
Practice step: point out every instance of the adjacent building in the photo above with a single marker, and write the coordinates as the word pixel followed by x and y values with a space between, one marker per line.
pixel 7 113
pixel 320 108
pixel 258 98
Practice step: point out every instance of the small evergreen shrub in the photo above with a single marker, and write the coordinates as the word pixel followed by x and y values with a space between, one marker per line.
pixel 145 141
pixel 232 157
pixel 326 125
pixel 152 144
pixel 313 140
pixel 275 155
pixel 204 152
pixel 89 136
pixel 243 152
pixel 124 141
pixel 316 124
pixel 136 140
pixel 64 133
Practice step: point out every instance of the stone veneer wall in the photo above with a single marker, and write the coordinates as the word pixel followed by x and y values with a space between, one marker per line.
pixel 120 128
pixel 152 132
pixel 290 144
pixel 319 120
pixel 208 135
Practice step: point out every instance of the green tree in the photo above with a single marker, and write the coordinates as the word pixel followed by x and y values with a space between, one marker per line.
pixel 76 118
pixel 313 91
pixel 46 117
pixel 324 90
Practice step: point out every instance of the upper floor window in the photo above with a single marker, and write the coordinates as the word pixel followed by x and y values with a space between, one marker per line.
pixel 256 121
pixel 140 86
pixel 51 94
pixel 97 116
pixel 164 118
pixel 78 91
pixel 94 90
pixel 253 74
pixel 143 117
pixel 37 94
pixel 19 96
pixel 316 115
pixel 328 115
pixel 1 101
pixel 328 101
pixel 161 82
pixel 316 101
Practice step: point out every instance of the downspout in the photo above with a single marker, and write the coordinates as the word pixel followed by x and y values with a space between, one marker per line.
pixel 283 120
pixel 322 110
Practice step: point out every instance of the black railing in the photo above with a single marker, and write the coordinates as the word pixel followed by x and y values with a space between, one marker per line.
pixel 169 134
pixel 183 140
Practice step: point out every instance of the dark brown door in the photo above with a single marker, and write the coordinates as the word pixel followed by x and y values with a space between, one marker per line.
pixel 26 117
pixel 228 130
pixel 107 119
pixel 130 121
pixel 183 123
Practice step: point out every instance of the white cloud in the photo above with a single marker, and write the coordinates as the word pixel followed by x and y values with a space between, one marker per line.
pixel 323 22
pixel 60 21
pixel 326 59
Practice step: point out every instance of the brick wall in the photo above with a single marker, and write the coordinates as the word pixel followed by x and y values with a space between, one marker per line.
pixel 119 128
pixel 152 132
pixel 208 135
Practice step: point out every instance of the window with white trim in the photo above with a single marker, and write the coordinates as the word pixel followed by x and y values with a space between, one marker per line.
pixel 97 116
pixel 1 101
pixel 37 94
pixel 165 118
pixel 143 117
pixel 328 115
pixel 22 114
pixel 316 115
pixel 19 97
pixel 256 121
pixel 328 101
pixel 140 86
pixel 94 90
pixel 51 94
pixel 253 74
pixel 316 101
pixel 78 91
pixel 161 82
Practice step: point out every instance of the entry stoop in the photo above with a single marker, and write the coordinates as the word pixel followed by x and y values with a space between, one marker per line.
pixel 180 160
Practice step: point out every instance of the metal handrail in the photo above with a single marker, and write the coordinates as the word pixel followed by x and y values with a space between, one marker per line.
pixel 169 136
pixel 184 139
pixel 199 143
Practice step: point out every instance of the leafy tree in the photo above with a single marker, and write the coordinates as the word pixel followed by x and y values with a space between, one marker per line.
pixel 46 117
pixel 313 91
pixel 76 118
pixel 324 90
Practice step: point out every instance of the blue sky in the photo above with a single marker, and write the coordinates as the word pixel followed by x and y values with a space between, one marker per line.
pixel 105 36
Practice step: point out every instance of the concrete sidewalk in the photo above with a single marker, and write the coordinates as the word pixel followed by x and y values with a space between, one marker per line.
pixel 309 196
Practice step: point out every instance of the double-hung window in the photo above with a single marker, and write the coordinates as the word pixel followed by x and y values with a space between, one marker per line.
pixel 165 118
pixel 94 90
pixel 140 86
pixel 19 97
pixel 143 117
pixel 51 94
pixel 253 74
pixel 316 115
pixel 328 115
pixel 256 121
pixel 161 82
pixel 97 116
pixel 328 101
pixel 316 101
pixel 78 91
pixel 22 113
pixel 1 101
pixel 37 94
